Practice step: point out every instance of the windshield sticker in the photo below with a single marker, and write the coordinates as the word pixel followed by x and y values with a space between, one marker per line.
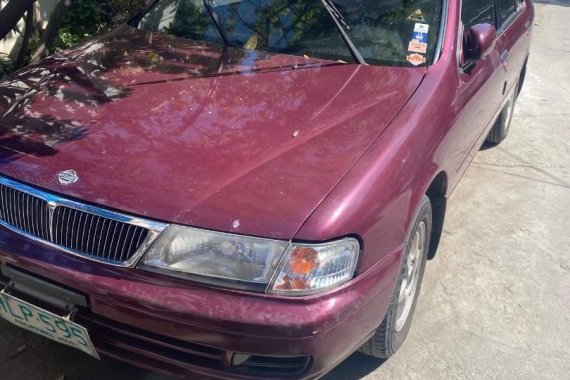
pixel 416 16
pixel 421 28
pixel 417 47
pixel 420 33
pixel 416 59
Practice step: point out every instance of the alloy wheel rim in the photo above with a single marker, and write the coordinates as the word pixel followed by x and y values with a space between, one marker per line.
pixel 410 275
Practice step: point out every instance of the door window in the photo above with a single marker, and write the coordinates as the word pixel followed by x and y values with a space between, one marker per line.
pixel 506 9
pixel 478 12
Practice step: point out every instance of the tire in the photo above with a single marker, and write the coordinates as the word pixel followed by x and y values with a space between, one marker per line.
pixel 522 78
pixel 501 128
pixel 393 330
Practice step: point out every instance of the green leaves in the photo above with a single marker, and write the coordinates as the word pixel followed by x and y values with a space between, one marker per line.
pixel 86 18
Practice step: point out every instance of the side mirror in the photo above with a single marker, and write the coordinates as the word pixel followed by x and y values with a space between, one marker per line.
pixel 479 41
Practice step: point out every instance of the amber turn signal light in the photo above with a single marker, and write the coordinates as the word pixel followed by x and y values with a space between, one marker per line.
pixel 304 260
pixel 313 268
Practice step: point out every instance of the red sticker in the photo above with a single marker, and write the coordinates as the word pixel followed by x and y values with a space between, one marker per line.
pixel 417 47
pixel 416 59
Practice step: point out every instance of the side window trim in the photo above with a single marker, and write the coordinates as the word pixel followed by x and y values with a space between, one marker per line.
pixel 509 20
pixel 442 31
pixel 459 43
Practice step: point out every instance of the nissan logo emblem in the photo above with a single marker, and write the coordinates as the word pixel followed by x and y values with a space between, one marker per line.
pixel 67 177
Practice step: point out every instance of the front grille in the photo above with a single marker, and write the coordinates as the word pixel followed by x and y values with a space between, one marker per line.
pixel 25 212
pixel 88 231
pixel 96 236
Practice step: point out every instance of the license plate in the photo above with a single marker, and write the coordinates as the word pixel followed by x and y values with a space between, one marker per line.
pixel 42 322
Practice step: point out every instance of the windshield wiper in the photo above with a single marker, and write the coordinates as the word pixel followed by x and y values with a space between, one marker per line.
pixel 343 27
pixel 214 16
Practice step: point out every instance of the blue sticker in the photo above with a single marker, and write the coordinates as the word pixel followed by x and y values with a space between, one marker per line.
pixel 420 37
pixel 420 33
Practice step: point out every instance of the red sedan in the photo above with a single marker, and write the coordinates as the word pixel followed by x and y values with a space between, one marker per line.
pixel 247 189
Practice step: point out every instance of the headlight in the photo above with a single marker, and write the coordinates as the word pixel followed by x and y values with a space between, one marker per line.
pixel 314 268
pixel 251 263
pixel 214 256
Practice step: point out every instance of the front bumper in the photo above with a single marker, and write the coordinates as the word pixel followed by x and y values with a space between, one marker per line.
pixel 185 329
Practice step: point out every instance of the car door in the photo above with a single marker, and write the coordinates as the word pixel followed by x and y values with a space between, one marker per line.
pixel 513 38
pixel 480 88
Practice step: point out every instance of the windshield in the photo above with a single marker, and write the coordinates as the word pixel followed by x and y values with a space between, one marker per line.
pixel 385 32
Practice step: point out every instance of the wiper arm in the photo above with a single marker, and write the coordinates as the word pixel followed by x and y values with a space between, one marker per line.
pixel 343 27
pixel 214 16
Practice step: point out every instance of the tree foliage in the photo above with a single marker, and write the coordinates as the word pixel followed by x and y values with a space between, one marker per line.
pixel 72 22
pixel 87 18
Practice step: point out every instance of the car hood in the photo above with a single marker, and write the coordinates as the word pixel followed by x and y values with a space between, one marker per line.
pixel 193 133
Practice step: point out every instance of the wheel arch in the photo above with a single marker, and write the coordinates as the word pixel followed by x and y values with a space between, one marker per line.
pixel 437 194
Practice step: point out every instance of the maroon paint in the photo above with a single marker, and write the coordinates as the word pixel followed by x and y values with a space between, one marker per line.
pixel 293 148
pixel 482 38
pixel 377 198
pixel 189 146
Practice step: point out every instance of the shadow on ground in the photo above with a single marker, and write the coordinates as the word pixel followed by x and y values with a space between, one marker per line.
pixel 355 367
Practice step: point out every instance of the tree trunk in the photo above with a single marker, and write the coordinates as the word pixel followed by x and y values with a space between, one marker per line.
pixel 52 28
pixel 38 17
pixel 26 39
pixel 11 14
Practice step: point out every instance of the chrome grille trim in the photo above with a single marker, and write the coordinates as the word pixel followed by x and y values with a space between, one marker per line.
pixel 56 222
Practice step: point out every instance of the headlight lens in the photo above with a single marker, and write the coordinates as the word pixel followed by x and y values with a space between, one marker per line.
pixel 183 251
pixel 252 263
pixel 314 268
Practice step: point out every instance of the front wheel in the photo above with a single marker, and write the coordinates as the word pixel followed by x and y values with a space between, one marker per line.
pixel 393 330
